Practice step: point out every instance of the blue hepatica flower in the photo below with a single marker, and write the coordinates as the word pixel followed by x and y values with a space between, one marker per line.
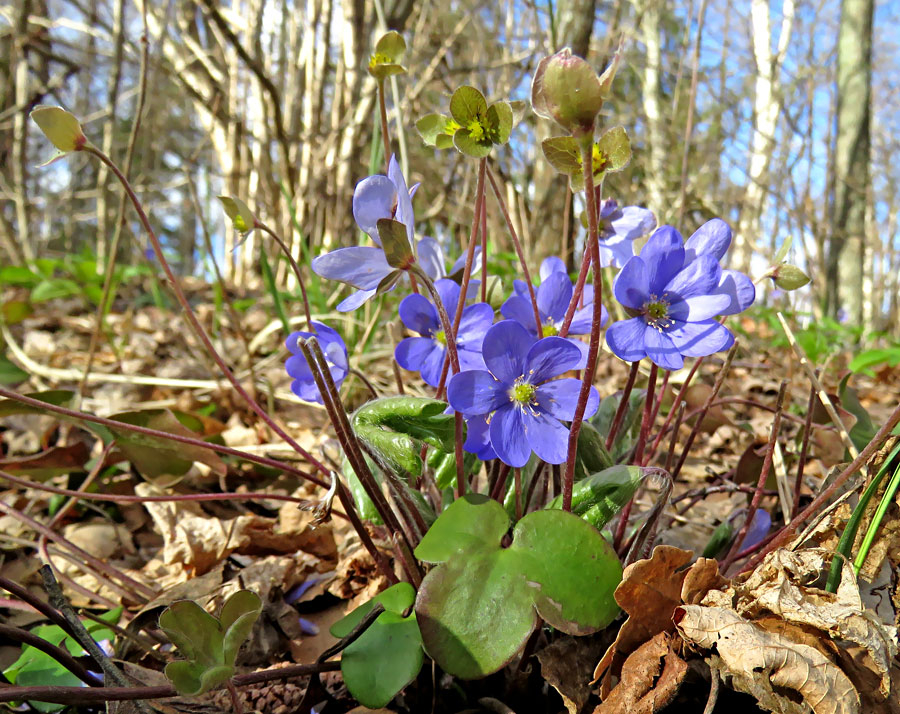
pixel 426 354
pixel 304 386
pixel 432 261
pixel 553 297
pixel 619 228
pixel 713 238
pixel 364 267
pixel 523 406
pixel 673 292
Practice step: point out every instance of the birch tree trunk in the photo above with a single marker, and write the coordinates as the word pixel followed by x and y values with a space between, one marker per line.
pixel 767 106
pixel 656 149
pixel 847 240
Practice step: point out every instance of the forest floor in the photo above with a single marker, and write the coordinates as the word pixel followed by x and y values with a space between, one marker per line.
pixel 142 556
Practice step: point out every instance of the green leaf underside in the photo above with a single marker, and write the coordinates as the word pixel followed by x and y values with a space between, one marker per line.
pixel 500 117
pixel 467 103
pixel 616 148
pixel 431 126
pixel 600 496
pixel 562 154
pixel 477 608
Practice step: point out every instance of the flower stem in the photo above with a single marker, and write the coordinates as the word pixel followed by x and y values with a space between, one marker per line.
pixel 760 485
pixel 623 406
pixel 385 136
pixel 594 345
pixel 484 252
pixel 518 245
pixel 470 248
pixel 678 399
pixel 296 268
pixel 647 417
pixel 235 697
pixel 577 292
pixel 804 450
pixel 192 318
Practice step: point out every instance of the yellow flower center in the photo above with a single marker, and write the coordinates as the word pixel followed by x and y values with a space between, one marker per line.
pixel 440 337
pixel 550 330
pixel 379 58
pixel 522 393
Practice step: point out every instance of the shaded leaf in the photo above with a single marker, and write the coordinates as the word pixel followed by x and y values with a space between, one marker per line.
pixel 466 104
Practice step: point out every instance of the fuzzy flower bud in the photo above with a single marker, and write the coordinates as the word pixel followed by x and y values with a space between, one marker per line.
pixel 566 89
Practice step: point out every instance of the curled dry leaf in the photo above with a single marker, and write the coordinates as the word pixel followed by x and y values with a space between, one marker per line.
pixel 650 679
pixel 649 592
pixel 700 578
pixel 784 585
pixel 764 664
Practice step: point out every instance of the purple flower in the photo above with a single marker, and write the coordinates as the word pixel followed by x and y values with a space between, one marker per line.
pixel 673 293
pixel 432 261
pixel 553 297
pixel 523 407
pixel 619 227
pixel 365 267
pixel 713 238
pixel 426 354
pixel 304 386
pixel 478 437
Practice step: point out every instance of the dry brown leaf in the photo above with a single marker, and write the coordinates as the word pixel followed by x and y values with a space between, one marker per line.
pixel 651 677
pixel 199 541
pixel 649 592
pixel 782 585
pixel 567 664
pixel 700 578
pixel 762 663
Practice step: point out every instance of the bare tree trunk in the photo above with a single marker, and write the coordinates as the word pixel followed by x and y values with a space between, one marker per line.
pixel 656 149
pixel 847 242
pixel 20 133
pixel 767 106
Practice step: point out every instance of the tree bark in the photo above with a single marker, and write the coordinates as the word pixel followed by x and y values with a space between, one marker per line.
pixel 847 239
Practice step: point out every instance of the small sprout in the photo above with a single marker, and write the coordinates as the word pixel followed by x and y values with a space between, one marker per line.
pixel 210 645
pixel 610 154
pixel 473 127
pixel 388 55
pixel 240 214
pixel 61 128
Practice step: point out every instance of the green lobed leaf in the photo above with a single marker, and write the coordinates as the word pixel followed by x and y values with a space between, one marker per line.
pixel 562 154
pixel 191 678
pixel 557 565
pixel 573 571
pixel 388 655
pixel 616 148
pixel 239 613
pixel 466 104
pixel 474 148
pixel 395 242
pixel 473 522
pixel 500 118
pixel 197 634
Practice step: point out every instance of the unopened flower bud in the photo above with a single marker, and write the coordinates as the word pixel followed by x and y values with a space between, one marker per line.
pixel 566 89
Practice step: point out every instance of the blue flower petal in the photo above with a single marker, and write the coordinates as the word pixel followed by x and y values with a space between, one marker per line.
pixel 404 198
pixel 698 339
pixel 661 350
pixel 470 359
pixel 550 265
pixel 712 238
pixel 626 339
pixel 701 307
pixel 633 222
pixel 584 318
pixel 699 277
pixel 508 435
pixel 632 284
pixel 433 366
pixel 504 348
pixel 360 266
pixel 449 292
pixel 663 256
pixel 518 308
pixel 554 295
pixel 550 357
pixel 478 438
pixel 419 315
pixel 373 198
pixel 739 288
pixel 560 397
pixel 355 299
pixel 546 436
pixel 476 321
pixel 476 392
pixel 411 352
pixel 431 258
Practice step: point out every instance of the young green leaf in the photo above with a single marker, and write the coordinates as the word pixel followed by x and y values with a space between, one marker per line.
pixel 467 104
pixel 60 127
pixel 239 212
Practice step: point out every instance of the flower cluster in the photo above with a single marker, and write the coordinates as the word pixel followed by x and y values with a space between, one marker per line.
pixel 510 386
pixel 672 291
